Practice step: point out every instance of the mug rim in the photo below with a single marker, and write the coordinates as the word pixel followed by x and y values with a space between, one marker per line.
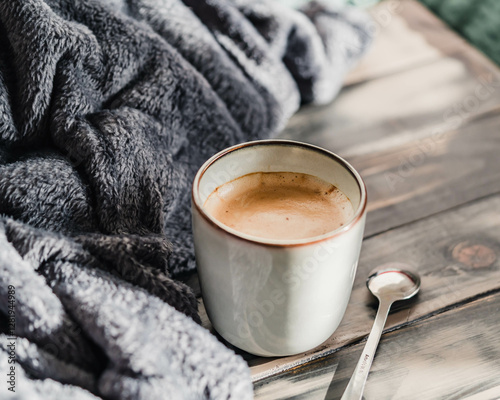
pixel 196 200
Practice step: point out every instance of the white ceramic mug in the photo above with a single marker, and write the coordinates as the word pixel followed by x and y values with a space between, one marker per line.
pixel 276 297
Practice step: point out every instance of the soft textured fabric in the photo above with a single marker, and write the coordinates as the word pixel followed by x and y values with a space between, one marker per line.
pixel 107 109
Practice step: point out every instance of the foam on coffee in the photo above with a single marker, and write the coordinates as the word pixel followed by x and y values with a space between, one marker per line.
pixel 280 205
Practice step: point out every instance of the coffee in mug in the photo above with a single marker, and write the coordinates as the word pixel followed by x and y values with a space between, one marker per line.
pixel 280 205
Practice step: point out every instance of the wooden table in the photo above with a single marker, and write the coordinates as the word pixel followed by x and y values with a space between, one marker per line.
pixel 419 118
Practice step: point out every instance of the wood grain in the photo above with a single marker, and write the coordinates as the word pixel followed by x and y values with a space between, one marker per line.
pixel 444 93
pixel 457 253
pixel 407 35
pixel 396 47
pixel 426 138
pixel 429 247
pixel 431 173
pixel 454 355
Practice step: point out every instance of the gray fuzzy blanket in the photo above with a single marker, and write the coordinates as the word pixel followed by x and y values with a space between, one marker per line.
pixel 107 109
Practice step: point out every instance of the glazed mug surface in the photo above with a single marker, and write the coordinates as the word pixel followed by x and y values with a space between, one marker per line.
pixel 274 297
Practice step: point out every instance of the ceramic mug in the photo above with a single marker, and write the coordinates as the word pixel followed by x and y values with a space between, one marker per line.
pixel 276 297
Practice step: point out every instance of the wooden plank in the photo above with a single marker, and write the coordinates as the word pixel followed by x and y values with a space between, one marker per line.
pixel 456 253
pixel 431 173
pixel 408 35
pixel 437 33
pixel 453 355
pixel 431 145
pixel 444 93
pixel 396 46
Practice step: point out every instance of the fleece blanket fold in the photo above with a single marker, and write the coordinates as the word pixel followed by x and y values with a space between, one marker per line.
pixel 107 109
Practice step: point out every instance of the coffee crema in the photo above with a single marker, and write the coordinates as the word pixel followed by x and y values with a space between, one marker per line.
pixel 280 205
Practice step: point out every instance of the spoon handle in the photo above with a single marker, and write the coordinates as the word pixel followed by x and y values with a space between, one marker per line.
pixel 354 390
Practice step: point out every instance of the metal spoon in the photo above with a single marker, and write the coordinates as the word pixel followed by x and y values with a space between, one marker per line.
pixel 387 286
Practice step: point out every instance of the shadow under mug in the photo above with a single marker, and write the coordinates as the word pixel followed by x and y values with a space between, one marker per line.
pixel 276 297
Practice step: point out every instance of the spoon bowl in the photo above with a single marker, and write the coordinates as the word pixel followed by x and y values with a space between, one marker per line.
pixel 394 284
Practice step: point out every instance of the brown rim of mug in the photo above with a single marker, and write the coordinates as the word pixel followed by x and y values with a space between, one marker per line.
pixel 356 218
